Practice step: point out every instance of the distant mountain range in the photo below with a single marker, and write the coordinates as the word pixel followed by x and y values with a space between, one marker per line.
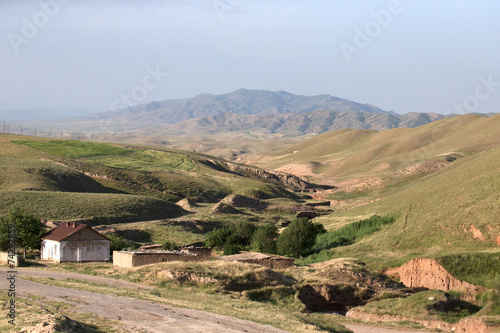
pixel 259 111
pixel 242 101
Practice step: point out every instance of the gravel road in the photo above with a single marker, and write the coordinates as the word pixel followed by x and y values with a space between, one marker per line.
pixel 146 315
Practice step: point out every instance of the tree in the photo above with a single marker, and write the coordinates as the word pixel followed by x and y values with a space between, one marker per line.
pixel 217 238
pixel 28 230
pixel 298 238
pixel 242 233
pixel 170 246
pixel 264 239
pixel 117 243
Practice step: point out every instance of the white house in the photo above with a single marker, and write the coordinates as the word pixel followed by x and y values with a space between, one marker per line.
pixel 74 242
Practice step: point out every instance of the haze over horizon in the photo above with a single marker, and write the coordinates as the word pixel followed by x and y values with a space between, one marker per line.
pixel 401 56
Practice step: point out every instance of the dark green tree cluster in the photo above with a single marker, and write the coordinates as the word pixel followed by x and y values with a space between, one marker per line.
pixel 28 230
pixel 117 243
pixel 297 239
pixel 170 246
pixel 231 239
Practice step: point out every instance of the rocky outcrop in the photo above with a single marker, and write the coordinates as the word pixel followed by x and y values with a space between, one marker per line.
pixel 186 204
pixel 55 323
pixel 182 277
pixel 281 178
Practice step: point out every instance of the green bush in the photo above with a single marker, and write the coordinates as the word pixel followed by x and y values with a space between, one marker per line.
pixel 298 238
pixel 264 239
pixel 242 233
pixel 171 246
pixel 23 228
pixel 231 248
pixel 217 238
pixel 118 243
pixel 351 233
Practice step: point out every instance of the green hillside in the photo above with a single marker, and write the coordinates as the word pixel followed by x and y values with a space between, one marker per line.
pixel 452 211
pixel 100 182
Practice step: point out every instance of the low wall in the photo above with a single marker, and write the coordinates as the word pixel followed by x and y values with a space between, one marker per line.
pixel 18 261
pixel 200 251
pixel 271 263
pixel 129 259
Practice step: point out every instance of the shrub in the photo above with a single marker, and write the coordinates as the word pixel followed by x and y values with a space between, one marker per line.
pixel 28 230
pixel 298 238
pixel 217 238
pixel 171 246
pixel 264 239
pixel 350 233
pixel 231 248
pixel 118 243
pixel 242 233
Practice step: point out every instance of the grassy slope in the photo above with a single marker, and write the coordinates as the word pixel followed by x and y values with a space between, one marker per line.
pixel 434 214
pixel 348 152
pixel 123 181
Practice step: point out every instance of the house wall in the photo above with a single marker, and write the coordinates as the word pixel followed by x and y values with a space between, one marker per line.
pixel 50 250
pixel 84 250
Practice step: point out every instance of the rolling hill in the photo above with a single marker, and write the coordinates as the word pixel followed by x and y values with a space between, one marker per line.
pixel 439 181
pixel 105 183
pixel 452 211
pixel 349 153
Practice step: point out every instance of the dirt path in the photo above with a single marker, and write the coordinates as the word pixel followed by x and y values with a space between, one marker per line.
pixel 139 314
pixel 82 277
pixel 146 315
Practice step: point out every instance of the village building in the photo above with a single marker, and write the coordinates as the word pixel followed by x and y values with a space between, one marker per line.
pixel 74 242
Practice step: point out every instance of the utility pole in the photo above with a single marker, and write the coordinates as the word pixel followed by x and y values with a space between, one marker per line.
pixel 21 128
pixel 36 131
pixel 61 134
pixel 49 133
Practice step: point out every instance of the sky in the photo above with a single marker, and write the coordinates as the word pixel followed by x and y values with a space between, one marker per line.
pixel 81 56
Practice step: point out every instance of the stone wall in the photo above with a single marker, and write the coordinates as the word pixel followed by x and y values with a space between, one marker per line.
pixel 18 261
pixel 129 259
pixel 271 263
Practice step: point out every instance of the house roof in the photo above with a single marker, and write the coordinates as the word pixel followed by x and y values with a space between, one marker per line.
pixel 66 229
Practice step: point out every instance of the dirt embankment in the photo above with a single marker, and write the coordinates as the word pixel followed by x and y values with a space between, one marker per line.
pixel 428 273
pixel 467 325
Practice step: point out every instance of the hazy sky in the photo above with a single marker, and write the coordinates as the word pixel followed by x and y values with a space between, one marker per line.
pixel 405 56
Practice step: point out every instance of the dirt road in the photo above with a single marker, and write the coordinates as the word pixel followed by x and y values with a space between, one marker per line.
pixel 145 315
